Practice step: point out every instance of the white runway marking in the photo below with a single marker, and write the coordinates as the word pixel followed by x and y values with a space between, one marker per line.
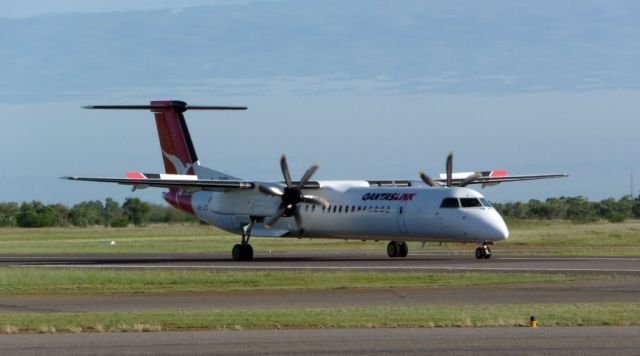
pixel 573 258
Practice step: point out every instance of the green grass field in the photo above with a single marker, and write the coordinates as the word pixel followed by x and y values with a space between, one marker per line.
pixel 622 314
pixel 527 237
pixel 38 281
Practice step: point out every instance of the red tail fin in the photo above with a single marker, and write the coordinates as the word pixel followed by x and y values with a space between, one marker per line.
pixel 178 152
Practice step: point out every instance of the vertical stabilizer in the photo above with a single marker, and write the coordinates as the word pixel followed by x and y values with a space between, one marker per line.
pixel 178 153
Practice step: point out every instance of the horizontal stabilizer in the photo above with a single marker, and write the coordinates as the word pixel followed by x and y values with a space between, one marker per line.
pixel 180 106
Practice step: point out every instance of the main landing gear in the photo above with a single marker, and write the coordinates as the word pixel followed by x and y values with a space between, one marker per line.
pixel 243 251
pixel 397 249
pixel 483 251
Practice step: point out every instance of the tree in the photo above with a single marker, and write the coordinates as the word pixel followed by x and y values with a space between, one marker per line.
pixel 8 214
pixel 581 210
pixel 61 212
pixel 636 208
pixel 113 215
pixel 87 213
pixel 36 214
pixel 137 211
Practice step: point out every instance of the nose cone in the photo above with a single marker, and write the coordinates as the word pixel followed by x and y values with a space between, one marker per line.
pixel 496 228
pixel 499 229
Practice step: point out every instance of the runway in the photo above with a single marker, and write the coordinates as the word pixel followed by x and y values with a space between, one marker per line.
pixel 336 261
pixel 449 341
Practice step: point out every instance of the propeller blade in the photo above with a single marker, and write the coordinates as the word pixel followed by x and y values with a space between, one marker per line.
pixel 270 190
pixel 278 214
pixel 314 199
pixel 298 218
pixel 429 181
pixel 470 179
pixel 307 175
pixel 449 169
pixel 285 171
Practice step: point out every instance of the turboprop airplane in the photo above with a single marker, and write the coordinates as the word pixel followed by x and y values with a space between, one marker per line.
pixel 440 210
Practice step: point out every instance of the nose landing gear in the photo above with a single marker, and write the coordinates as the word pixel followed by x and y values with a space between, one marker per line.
pixel 483 252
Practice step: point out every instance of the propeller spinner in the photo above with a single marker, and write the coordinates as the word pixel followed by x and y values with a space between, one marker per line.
pixel 291 195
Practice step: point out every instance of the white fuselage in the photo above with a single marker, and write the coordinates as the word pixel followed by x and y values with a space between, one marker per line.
pixel 358 211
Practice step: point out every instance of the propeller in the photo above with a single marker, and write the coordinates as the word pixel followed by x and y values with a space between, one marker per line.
pixel 449 180
pixel 291 195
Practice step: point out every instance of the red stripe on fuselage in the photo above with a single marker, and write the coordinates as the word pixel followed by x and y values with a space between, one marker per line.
pixel 180 200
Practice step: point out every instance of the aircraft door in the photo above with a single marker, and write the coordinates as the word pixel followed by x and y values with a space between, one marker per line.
pixel 401 212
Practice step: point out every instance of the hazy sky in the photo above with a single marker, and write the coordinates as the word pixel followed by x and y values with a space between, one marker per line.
pixel 367 89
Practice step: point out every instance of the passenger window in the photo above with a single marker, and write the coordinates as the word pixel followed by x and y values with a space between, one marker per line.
pixel 470 202
pixel 335 207
pixel 313 208
pixel 450 203
pixel 353 208
pixel 306 207
pixel 400 211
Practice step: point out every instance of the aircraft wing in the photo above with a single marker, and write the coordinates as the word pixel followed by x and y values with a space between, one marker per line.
pixel 186 184
pixel 493 180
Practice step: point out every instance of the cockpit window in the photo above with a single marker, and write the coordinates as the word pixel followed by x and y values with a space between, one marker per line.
pixel 450 203
pixel 485 202
pixel 470 202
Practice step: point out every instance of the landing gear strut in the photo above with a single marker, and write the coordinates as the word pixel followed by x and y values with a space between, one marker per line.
pixel 483 251
pixel 397 249
pixel 243 251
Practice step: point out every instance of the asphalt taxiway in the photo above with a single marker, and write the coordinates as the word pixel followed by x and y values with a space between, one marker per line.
pixel 319 261
pixel 447 341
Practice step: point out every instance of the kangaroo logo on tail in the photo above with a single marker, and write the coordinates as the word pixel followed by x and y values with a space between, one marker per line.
pixel 180 167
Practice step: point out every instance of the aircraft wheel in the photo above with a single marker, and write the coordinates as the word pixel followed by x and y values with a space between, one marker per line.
pixel 247 252
pixel 479 253
pixel 393 248
pixel 404 249
pixel 242 252
pixel 236 252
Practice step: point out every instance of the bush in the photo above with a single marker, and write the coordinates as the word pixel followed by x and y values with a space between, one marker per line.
pixel 616 217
